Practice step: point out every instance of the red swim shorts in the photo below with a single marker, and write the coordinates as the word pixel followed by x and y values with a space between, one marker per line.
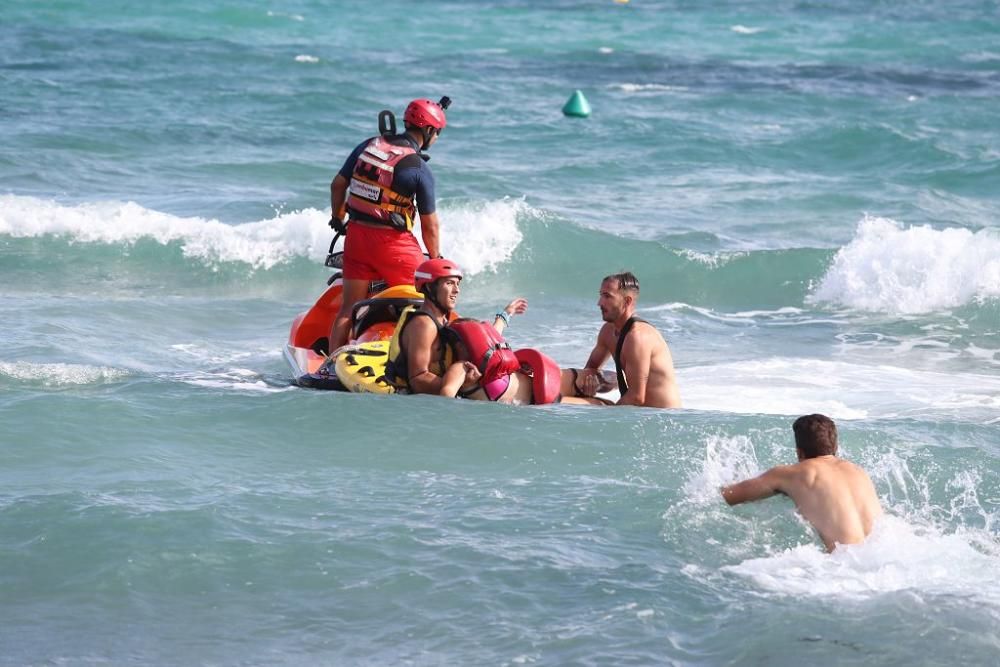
pixel 373 253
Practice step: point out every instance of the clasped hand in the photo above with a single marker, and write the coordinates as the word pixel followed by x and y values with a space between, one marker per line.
pixel 588 382
pixel 472 375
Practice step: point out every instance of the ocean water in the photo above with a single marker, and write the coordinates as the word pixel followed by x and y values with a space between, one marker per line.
pixel 807 190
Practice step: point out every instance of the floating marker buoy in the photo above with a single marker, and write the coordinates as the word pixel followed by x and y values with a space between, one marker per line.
pixel 577 106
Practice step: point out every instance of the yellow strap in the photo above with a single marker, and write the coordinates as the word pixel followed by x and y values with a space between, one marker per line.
pixel 395 202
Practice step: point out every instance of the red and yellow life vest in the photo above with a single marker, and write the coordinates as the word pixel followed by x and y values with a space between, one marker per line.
pixel 370 196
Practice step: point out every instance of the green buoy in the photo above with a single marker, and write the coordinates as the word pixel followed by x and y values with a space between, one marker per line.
pixel 577 106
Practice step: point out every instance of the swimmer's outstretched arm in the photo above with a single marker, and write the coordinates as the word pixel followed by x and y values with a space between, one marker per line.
pixel 756 488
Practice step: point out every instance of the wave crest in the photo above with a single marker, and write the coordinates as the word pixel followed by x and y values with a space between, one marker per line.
pixel 479 235
pixel 889 268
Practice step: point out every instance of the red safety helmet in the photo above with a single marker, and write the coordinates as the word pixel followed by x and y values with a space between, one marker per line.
pixel 433 269
pixel 425 113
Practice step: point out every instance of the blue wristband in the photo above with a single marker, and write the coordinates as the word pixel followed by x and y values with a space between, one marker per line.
pixel 505 317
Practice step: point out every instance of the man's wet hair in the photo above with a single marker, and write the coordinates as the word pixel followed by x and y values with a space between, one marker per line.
pixel 815 435
pixel 625 281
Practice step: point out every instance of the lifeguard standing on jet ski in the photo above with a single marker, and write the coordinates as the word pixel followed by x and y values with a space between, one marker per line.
pixel 380 190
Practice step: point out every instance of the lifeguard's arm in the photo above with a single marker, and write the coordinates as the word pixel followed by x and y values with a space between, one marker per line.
pixel 589 381
pixel 338 196
pixel 460 374
pixel 418 340
pixel 599 355
pixel 636 357
pixel 756 488
pixel 515 307
pixel 430 232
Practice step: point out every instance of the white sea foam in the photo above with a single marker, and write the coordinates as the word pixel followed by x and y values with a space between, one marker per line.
pixel 786 315
pixel 727 459
pixel 293 17
pixel 646 88
pixel 793 386
pixel 54 375
pixel 920 545
pixel 235 379
pixel 261 244
pixel 713 260
pixel 204 353
pixel 305 58
pixel 745 30
pixel 989 356
pixel 980 57
pixel 480 235
pixel 892 269
pixel 896 557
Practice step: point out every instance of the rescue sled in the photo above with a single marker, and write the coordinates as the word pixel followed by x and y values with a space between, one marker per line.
pixel 359 366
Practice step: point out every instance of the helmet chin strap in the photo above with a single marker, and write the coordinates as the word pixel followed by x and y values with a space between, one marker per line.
pixel 431 295
pixel 428 134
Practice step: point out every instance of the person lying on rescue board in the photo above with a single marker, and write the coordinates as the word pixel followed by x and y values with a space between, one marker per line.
pixel 433 352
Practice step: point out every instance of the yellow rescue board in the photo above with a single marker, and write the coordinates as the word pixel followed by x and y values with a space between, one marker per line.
pixel 361 367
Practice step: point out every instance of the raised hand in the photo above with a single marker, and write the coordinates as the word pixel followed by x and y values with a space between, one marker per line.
pixel 517 306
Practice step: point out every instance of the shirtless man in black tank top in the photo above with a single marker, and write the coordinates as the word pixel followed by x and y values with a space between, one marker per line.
pixel 642 359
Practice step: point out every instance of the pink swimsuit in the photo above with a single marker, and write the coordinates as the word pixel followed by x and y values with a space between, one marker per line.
pixel 496 388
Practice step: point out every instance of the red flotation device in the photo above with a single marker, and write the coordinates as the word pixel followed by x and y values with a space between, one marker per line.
pixel 486 348
pixel 545 375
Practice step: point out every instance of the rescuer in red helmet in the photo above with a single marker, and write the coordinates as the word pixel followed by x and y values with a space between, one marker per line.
pixel 382 188
pixel 418 354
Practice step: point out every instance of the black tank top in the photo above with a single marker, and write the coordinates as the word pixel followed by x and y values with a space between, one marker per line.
pixel 622 383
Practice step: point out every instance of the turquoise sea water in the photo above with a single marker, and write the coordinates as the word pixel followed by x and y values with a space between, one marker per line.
pixel 808 192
